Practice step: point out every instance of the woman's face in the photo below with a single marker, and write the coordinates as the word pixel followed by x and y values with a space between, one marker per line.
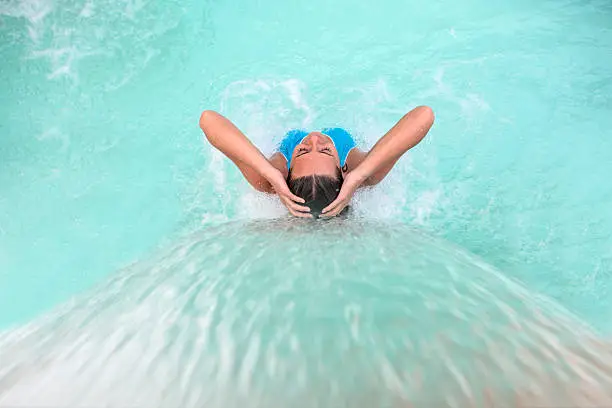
pixel 316 154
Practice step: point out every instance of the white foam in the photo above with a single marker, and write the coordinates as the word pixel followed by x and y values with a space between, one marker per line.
pixel 33 10
pixel 132 7
pixel 87 10
pixel 424 205
pixel 266 109
pixel 207 322
pixel 109 30
pixel 53 133
pixel 295 87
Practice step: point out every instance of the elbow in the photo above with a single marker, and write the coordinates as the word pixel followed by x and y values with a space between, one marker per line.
pixel 426 114
pixel 207 120
pixel 206 117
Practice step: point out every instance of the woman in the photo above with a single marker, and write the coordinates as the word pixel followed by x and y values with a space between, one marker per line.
pixel 317 173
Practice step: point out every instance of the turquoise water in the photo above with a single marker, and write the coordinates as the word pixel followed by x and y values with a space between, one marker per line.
pixel 102 164
pixel 102 161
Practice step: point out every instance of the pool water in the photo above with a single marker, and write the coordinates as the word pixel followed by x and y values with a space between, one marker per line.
pixel 102 164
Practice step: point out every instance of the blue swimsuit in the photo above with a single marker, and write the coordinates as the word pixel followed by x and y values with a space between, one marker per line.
pixel 342 140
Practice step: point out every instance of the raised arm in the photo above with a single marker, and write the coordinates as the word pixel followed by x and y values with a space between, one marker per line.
pixel 367 169
pixel 225 136
pixel 265 175
pixel 373 166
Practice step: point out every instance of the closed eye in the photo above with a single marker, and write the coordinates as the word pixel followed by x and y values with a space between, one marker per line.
pixel 301 151
pixel 327 151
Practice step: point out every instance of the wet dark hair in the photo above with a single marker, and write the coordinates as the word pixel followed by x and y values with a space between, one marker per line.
pixel 318 190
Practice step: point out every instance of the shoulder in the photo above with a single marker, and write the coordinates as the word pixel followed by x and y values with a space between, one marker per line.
pixel 354 159
pixel 279 162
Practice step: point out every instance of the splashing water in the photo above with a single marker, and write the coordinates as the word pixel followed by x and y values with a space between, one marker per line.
pixel 101 163
pixel 251 314
pixel 101 159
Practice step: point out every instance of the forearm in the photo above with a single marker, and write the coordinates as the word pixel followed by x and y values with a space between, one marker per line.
pixel 226 137
pixel 406 134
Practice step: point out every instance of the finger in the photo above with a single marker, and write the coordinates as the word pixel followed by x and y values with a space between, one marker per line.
pixel 295 198
pixel 330 206
pixel 286 192
pixel 289 203
pixel 300 214
pixel 301 208
pixel 292 205
pixel 333 205
pixel 335 211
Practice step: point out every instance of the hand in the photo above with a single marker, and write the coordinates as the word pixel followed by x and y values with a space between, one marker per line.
pixel 288 199
pixel 351 183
